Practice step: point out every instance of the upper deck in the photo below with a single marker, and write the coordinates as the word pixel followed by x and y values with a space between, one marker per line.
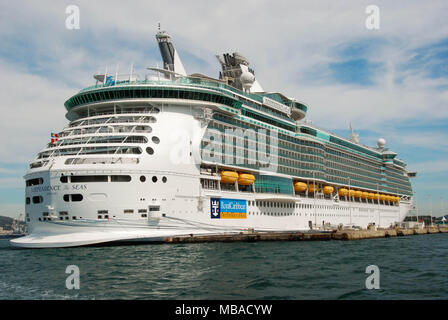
pixel 190 88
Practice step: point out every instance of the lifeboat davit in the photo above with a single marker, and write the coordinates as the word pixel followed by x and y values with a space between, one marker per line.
pixel 343 192
pixel 246 179
pixel 300 186
pixel 328 190
pixel 229 176
pixel 312 188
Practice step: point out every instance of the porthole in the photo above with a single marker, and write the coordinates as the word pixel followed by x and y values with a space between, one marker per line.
pixel 164 179
pixel 150 151
pixel 154 179
pixel 155 139
pixel 142 178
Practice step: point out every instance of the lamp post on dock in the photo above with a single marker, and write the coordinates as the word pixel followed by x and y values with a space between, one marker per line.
pixel 430 201
pixel 441 208
pixel 430 207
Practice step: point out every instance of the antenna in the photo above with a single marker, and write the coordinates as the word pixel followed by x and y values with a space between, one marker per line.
pixel 159 26
pixel 132 71
pixel 353 136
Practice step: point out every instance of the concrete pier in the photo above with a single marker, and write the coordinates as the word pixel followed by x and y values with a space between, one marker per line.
pixel 313 235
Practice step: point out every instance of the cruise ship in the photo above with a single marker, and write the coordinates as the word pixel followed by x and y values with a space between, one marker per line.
pixel 171 154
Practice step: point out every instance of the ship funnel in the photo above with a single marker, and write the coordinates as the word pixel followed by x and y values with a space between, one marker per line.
pixel 171 60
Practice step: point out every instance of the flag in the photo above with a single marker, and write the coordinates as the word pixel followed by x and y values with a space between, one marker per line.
pixel 54 137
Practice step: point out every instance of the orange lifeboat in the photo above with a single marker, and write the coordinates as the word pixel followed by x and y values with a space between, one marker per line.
pixel 343 192
pixel 365 195
pixel 382 197
pixel 245 179
pixel 229 176
pixel 312 188
pixel 300 186
pixel 328 190
pixel 371 196
pixel 351 193
pixel 358 194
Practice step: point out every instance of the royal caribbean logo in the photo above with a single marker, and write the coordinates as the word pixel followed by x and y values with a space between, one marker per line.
pixel 228 208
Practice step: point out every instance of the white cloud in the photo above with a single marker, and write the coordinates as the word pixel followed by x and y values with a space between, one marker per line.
pixel 31 107
pixel 432 166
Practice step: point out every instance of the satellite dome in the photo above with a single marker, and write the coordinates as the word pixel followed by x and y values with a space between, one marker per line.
pixel 247 80
pixel 381 143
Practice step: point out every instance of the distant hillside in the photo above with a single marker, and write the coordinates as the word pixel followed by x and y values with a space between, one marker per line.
pixel 6 222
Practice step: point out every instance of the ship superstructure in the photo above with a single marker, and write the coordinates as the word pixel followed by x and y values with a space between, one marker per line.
pixel 175 154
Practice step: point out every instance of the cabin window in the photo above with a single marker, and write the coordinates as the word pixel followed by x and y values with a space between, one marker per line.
pixel 72 197
pixel 77 197
pixel 34 182
pixel 80 179
pixel 38 199
pixel 120 178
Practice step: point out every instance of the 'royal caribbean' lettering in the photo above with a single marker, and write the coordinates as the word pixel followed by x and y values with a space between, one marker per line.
pixel 228 208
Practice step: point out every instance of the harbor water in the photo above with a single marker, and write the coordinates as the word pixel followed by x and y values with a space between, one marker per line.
pixel 409 268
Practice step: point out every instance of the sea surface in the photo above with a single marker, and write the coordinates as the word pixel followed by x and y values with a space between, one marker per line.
pixel 413 267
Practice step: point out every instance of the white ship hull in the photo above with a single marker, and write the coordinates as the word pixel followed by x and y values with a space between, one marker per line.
pixel 192 216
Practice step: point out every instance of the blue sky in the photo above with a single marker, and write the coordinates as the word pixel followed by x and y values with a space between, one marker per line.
pixel 390 83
